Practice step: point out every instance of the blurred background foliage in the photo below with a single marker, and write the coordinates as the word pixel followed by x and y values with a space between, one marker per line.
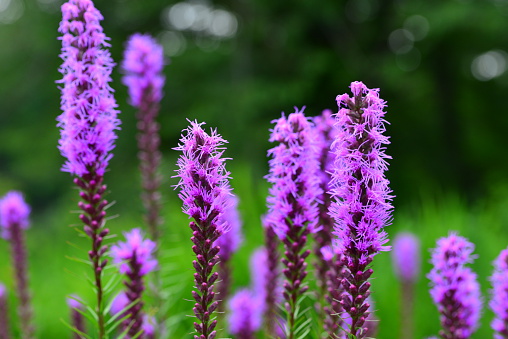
pixel 440 64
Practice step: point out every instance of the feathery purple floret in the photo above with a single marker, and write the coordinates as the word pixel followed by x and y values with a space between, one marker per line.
pixel 143 63
pixel 454 287
pixel 89 110
pixel 245 316
pixel 406 257
pixel 134 252
pixel 204 180
pixel 13 211
pixel 293 169
pixel 499 301
pixel 204 190
pixel 362 207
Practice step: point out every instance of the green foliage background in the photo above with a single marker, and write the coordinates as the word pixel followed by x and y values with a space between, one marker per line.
pixel 448 130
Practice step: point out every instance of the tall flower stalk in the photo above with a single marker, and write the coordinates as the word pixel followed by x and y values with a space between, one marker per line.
pixel 204 187
pixel 292 203
pixel 143 63
pixel 136 260
pixel 269 286
pixel 333 322
pixel 362 207
pixel 454 287
pixel 499 299
pixel 325 134
pixel 406 261
pixel 14 213
pixel 4 314
pixel 88 125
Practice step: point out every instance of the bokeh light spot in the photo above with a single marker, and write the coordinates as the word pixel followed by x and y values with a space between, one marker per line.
pixel 489 65
pixel 401 41
pixel 418 25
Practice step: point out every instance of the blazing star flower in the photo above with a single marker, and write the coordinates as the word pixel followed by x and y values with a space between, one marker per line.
pixel 87 124
pixel 14 214
pixel 135 257
pixel 89 118
pixel 204 188
pixel 362 198
pixel 499 298
pixel 406 257
pixel 143 63
pixel 454 287
pixel 245 316
pixel 292 201
pixel 135 254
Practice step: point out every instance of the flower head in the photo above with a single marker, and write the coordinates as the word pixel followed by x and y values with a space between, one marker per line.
pixel 406 256
pixel 245 314
pixel 293 170
pixel 13 211
pixel 204 181
pixel 89 118
pixel 454 287
pixel 74 302
pixel 143 63
pixel 499 300
pixel 135 252
pixel 363 205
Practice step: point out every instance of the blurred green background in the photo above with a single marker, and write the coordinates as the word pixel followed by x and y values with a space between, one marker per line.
pixel 440 65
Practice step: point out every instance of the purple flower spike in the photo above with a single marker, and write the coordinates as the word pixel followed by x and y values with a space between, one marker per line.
pixel 362 207
pixel 454 287
pixel 89 118
pixel 292 202
pixel 143 63
pixel 135 257
pixel 78 321
pixel 204 188
pixel 228 244
pixel 406 261
pixel 270 287
pixel 88 123
pixel 406 257
pixel 245 314
pixel 333 317
pixel 499 301
pixel 4 314
pixel 325 134
pixel 14 214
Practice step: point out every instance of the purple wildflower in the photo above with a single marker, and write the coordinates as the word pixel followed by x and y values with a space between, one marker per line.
pixel 292 201
pixel 4 314
pixel 143 63
pixel 78 321
pixel 14 214
pixel 454 287
pixel 325 134
pixel 245 314
pixel 204 187
pixel 406 257
pixel 406 261
pixel 135 257
pixel 228 244
pixel 499 301
pixel 120 303
pixel 88 123
pixel 362 207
